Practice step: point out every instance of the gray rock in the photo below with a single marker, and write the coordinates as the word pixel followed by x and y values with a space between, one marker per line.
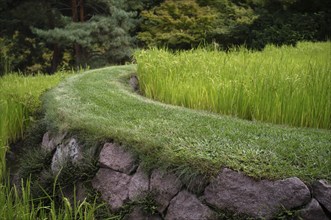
pixel 74 150
pixel 238 193
pixel 69 152
pixel 187 206
pixel 50 141
pixel 114 157
pixel 165 186
pixel 134 83
pixel 59 158
pixel 139 185
pixel 322 193
pixel 313 211
pixel 139 214
pixel 113 187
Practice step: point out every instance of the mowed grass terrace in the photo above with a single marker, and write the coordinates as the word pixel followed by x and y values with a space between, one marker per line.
pixel 102 105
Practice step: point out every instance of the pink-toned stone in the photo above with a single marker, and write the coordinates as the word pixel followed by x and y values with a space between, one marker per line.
pixel 238 193
pixel 322 193
pixel 139 185
pixel 187 206
pixel 115 157
pixel 113 187
pixel 313 211
pixel 165 186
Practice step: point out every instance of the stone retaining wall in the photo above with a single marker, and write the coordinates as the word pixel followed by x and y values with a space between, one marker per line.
pixel 121 179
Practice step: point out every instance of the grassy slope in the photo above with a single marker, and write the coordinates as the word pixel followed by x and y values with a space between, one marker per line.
pixel 101 103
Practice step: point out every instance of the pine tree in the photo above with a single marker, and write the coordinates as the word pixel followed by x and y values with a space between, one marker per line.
pixel 103 33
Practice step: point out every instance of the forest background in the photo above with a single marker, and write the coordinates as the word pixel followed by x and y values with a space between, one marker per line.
pixel 51 35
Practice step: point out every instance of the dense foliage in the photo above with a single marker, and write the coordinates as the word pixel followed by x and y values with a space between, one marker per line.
pixel 177 24
pixel 47 35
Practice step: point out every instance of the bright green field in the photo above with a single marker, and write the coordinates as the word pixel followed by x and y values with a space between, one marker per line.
pixel 284 85
pixel 101 105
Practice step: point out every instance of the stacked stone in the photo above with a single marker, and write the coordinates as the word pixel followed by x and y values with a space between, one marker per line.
pixel 121 179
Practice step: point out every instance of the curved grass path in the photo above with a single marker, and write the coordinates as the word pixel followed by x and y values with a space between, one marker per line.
pixel 101 104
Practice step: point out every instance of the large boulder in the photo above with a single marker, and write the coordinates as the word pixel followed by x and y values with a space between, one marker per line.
pixel 134 83
pixel 238 193
pixel 70 151
pixel 187 206
pixel 113 187
pixel 115 157
pixel 313 211
pixel 139 185
pixel 165 185
pixel 322 193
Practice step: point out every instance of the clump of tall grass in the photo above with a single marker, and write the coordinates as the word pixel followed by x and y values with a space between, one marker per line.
pixel 27 90
pixel 19 204
pixel 19 100
pixel 286 85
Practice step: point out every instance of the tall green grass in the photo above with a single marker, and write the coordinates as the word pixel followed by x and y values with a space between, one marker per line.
pixel 19 204
pixel 19 100
pixel 286 85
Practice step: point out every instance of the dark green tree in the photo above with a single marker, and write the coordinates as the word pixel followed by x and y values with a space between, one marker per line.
pixel 176 24
pixel 233 21
pixel 289 21
pixel 20 48
pixel 101 35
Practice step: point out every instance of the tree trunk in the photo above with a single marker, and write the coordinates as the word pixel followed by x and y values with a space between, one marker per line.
pixel 77 47
pixel 81 11
pixel 74 7
pixel 82 19
pixel 57 50
pixel 56 59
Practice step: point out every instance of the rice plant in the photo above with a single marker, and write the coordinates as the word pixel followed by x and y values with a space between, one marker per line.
pixel 19 204
pixel 19 99
pixel 286 85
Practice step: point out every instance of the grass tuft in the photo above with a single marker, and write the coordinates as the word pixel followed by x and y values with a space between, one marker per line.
pixel 19 102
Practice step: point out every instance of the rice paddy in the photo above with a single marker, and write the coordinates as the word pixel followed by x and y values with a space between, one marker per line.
pixel 282 85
